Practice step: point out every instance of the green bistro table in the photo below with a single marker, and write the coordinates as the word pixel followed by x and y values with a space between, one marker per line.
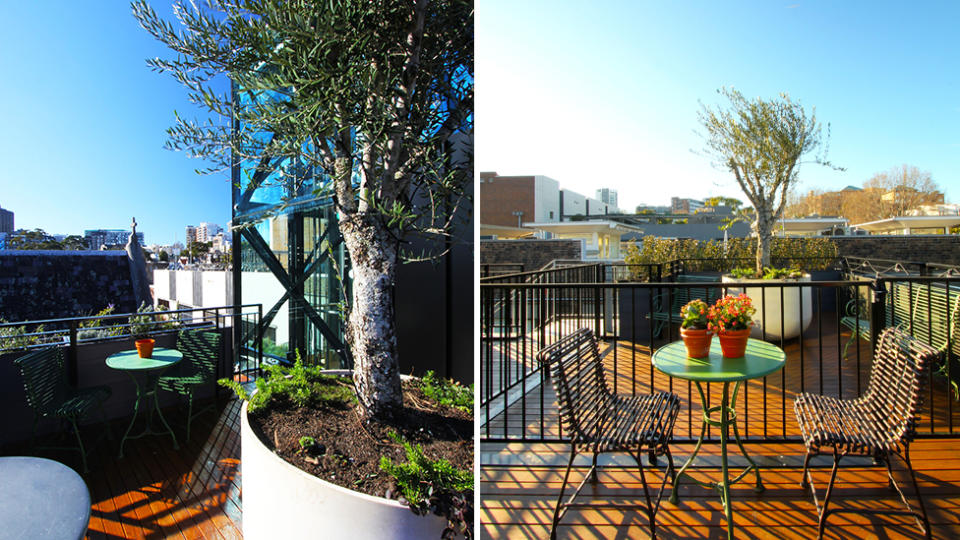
pixel 760 359
pixel 130 363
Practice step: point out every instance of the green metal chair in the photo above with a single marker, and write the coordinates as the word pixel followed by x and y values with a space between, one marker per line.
pixel 201 354
pixel 49 394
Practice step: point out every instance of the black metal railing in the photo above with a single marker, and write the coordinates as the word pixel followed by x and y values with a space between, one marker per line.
pixel 238 323
pixel 831 357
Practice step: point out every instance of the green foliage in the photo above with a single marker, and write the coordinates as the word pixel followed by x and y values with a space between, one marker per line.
pixel 762 142
pixel 274 349
pixel 16 337
pixel 803 253
pixel 694 314
pixel 300 385
pixel 306 443
pixel 447 392
pixel 433 486
pixel 37 239
pixel 141 324
pixel 94 328
pixel 768 273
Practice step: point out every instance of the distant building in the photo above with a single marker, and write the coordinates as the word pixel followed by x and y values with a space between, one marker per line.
pixel 191 235
pixel 684 206
pixel 107 238
pixel 6 221
pixel 651 209
pixel 206 231
pixel 609 197
pixel 511 201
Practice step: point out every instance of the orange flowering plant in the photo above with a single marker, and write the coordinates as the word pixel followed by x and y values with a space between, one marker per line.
pixel 731 313
pixel 694 315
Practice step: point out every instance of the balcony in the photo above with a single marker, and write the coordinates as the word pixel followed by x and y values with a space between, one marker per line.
pixel 523 454
pixel 154 491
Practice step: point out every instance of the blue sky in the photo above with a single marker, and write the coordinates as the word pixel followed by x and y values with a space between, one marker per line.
pixel 606 94
pixel 82 125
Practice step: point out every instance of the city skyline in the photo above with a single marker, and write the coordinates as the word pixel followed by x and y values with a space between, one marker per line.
pixel 86 119
pixel 611 100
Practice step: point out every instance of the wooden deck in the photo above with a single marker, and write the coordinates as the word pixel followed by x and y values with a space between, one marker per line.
pixel 158 492
pixel 519 481
pixel 517 500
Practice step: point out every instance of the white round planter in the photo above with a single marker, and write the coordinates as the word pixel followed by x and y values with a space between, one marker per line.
pixel 282 501
pixel 767 318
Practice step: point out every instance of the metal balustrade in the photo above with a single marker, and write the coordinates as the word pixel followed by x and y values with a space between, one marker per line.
pixel 523 313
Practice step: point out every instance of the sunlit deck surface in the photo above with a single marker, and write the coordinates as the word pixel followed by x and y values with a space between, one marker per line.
pixel 158 492
pixel 519 481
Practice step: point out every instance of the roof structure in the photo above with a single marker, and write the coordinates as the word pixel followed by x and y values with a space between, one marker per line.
pixel 904 224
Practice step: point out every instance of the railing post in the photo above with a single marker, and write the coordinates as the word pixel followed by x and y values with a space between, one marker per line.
pixel 878 306
pixel 72 371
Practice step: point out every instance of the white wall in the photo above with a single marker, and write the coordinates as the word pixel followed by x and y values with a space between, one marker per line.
pixel 546 199
pixel 573 204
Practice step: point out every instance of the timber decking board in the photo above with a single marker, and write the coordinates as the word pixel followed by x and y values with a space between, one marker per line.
pixel 158 492
pixel 517 500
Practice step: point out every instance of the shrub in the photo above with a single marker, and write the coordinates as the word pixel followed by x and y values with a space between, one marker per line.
pixel 302 386
pixel 447 392
pixel 433 486
pixel 806 253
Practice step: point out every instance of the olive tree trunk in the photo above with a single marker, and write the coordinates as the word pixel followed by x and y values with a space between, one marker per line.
pixel 371 332
pixel 763 226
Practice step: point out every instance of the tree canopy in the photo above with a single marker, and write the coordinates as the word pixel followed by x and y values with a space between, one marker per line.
pixel 373 98
pixel 762 142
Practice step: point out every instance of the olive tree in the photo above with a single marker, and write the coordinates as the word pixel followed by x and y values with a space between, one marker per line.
pixel 367 95
pixel 762 142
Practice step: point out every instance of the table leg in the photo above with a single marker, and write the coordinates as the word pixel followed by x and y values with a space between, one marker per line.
pixel 736 434
pixel 149 389
pixel 696 449
pixel 725 478
pixel 156 404
pixel 728 418
pixel 136 411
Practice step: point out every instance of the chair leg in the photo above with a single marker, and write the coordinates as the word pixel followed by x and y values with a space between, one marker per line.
pixel 916 491
pixel 671 469
pixel 189 412
pixel 33 432
pixel 83 452
pixel 563 487
pixel 806 463
pixel 651 512
pixel 822 521
pixel 853 336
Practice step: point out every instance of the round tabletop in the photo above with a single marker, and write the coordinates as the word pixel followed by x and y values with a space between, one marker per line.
pixel 41 498
pixel 761 358
pixel 131 361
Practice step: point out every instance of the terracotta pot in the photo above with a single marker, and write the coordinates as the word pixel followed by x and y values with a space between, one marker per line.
pixel 144 347
pixel 733 343
pixel 697 341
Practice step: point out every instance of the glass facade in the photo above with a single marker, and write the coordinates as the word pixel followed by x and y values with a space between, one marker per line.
pixel 291 259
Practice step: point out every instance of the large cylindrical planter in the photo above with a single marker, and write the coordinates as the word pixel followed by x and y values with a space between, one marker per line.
pixel 282 501
pixel 768 314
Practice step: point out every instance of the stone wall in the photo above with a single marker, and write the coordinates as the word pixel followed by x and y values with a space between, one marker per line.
pixel 56 284
pixel 941 249
pixel 533 254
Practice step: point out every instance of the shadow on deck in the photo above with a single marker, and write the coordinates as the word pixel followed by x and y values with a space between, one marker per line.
pixel 155 491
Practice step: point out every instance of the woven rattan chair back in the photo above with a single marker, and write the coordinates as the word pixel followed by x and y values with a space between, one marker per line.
pixel 201 350
pixel 577 375
pixel 44 379
pixel 896 380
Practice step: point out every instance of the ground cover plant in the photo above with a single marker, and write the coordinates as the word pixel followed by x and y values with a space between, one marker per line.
pixel 422 456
